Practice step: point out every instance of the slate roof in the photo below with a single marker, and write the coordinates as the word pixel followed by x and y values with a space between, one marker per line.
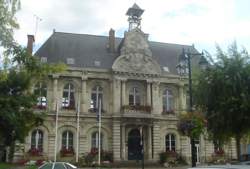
pixel 86 49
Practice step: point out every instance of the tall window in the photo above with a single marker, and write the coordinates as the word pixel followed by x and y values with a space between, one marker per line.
pixel 96 96
pixel 68 100
pixel 170 142
pixel 134 97
pixel 67 140
pixel 94 140
pixel 37 140
pixel 168 101
pixel 41 92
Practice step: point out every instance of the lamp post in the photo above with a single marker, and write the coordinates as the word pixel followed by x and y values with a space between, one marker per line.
pixel 184 68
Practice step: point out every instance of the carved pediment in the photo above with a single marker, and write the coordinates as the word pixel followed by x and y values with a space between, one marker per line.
pixel 136 56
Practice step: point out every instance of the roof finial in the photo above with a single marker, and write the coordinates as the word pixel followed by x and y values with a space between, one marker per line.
pixel 134 18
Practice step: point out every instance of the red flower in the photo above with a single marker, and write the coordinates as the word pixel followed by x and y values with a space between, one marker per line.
pixel 35 151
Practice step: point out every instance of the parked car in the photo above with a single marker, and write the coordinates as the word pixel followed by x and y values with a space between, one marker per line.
pixel 57 165
pixel 229 166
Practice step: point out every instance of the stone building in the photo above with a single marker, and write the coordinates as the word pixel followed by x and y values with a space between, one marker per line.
pixel 139 88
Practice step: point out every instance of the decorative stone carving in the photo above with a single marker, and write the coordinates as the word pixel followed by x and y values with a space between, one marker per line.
pixel 136 56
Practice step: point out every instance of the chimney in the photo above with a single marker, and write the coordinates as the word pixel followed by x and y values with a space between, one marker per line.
pixel 111 40
pixel 31 40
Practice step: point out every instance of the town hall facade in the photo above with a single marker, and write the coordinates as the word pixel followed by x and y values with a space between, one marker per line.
pixel 138 85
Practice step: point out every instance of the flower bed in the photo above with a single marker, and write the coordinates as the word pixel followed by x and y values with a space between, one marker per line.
pixel 137 108
pixel 67 152
pixel 35 152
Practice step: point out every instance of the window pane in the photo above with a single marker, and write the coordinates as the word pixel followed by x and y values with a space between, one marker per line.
pixel 64 139
pixel 93 100
pixel 137 100
pixel 131 100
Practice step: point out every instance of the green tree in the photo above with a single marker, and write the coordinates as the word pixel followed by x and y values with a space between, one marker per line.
pixel 8 22
pixel 222 91
pixel 17 115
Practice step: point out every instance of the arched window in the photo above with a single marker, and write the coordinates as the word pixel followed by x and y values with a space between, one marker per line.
pixel 168 101
pixel 68 100
pixel 37 140
pixel 170 142
pixel 94 140
pixel 134 97
pixel 96 96
pixel 40 91
pixel 67 140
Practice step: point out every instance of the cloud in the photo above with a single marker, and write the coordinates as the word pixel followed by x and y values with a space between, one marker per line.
pixel 179 21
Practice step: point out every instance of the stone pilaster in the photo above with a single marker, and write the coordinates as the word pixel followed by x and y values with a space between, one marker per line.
pixel 185 148
pixel 116 140
pixel 55 92
pixel 149 93
pixel 124 100
pixel 84 105
pixel 156 99
pixel 149 143
pixel 182 98
pixel 156 140
pixel 116 95
pixel 123 142
pixel 83 145
pixel 51 147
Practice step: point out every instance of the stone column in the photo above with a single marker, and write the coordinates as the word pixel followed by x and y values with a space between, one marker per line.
pixel 156 99
pixel 116 95
pixel 55 92
pixel 123 142
pixel 124 100
pixel 149 93
pixel 84 107
pixel 149 143
pixel 156 140
pixel 116 140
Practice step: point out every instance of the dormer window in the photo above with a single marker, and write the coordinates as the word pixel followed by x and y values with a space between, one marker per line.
pixel 44 59
pixel 70 61
pixel 97 63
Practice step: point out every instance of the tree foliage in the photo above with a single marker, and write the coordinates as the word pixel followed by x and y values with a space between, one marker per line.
pixel 8 22
pixel 17 115
pixel 223 92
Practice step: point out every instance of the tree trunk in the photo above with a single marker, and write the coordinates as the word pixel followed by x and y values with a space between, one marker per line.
pixel 238 138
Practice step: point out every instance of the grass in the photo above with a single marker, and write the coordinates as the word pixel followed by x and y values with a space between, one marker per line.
pixel 13 166
pixel 6 166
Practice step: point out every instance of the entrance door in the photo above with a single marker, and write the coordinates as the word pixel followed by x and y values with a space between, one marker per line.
pixel 134 145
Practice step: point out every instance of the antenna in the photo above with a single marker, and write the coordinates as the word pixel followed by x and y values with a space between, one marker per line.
pixel 38 19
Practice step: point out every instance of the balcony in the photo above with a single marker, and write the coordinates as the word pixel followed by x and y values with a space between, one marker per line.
pixel 136 109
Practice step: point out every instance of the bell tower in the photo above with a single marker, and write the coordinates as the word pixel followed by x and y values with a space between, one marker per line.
pixel 134 17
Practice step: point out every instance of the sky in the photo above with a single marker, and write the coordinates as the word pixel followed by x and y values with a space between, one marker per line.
pixel 203 23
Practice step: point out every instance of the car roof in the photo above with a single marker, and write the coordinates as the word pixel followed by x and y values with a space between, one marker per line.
pixel 222 167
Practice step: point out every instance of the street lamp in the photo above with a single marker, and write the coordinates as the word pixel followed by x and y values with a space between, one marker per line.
pixel 184 68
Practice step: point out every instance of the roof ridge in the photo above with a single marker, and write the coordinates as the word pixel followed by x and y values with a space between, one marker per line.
pixel 106 36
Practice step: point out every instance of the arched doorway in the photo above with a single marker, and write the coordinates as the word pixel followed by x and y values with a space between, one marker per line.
pixel 134 145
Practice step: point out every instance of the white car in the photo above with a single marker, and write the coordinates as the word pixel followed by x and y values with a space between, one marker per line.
pixel 229 166
pixel 57 165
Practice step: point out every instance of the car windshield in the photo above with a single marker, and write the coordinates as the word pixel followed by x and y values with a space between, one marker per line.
pixel 46 166
pixel 59 166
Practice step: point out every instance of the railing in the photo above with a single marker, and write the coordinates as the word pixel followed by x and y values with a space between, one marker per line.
pixel 136 109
